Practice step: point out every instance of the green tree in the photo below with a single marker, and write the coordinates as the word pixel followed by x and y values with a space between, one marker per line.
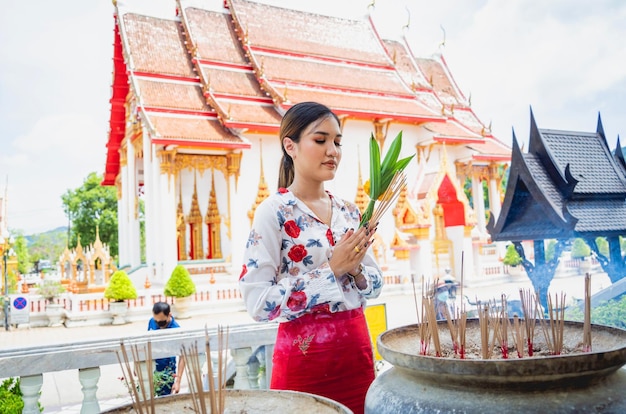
pixel 92 206
pixel 580 250
pixel 48 245
pixel 550 249
pixel 23 257
pixel 603 246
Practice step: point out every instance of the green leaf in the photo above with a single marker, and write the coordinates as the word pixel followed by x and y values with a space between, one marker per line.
pixel 365 217
pixel 374 168
pixel 392 154
pixel 403 163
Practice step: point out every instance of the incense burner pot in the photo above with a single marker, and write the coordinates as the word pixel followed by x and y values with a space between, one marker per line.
pixel 247 401
pixel 573 382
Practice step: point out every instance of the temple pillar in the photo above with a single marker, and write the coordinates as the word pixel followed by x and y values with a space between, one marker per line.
pixel 167 240
pixel 123 206
pixel 456 235
pixel 478 196
pixel 134 247
pixel 151 173
pixel 466 265
pixel 121 224
pixel 421 259
pixel 238 230
pixel 494 193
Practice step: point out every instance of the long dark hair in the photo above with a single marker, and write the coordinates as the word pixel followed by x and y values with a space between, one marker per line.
pixel 296 120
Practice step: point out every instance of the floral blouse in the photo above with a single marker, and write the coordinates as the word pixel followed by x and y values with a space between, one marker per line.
pixel 286 273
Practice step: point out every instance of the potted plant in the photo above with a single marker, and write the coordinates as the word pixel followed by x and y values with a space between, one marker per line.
pixel 51 290
pixel 180 286
pixel 119 290
pixel 512 259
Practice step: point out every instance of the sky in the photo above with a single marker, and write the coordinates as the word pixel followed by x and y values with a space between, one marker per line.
pixel 562 58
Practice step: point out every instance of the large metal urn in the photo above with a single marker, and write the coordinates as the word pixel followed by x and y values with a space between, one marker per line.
pixel 574 382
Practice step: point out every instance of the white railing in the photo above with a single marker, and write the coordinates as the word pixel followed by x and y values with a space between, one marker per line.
pixel 29 364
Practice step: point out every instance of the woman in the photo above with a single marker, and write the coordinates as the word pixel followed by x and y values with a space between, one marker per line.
pixel 307 266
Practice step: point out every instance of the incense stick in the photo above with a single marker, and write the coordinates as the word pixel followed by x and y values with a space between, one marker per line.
pixel 529 319
pixel 389 196
pixel 587 320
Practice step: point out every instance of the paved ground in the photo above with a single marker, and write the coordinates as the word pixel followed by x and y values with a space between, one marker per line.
pixel 61 390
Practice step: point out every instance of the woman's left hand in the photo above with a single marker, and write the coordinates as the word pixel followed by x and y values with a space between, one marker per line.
pixel 350 250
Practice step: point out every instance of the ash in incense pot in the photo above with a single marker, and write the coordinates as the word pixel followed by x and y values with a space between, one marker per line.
pixel 572 382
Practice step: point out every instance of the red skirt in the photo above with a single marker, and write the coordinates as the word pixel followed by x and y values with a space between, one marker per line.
pixel 327 354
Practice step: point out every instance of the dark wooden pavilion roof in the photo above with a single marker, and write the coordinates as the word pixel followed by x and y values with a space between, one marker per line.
pixel 567 185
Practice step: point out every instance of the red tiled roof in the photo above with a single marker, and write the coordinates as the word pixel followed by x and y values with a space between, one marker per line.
pixel 156 46
pixel 284 69
pixel 331 37
pixel 467 117
pixel 231 85
pixel 250 115
pixel 233 82
pixel 171 95
pixel 405 65
pixel 190 130
pixel 441 83
pixel 451 129
pixel 213 35
pixel 366 106
pixel 491 149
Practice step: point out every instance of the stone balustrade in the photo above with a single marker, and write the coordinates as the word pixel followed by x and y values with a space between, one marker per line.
pixel 250 346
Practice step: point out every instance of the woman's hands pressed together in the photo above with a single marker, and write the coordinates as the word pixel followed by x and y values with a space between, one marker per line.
pixel 350 250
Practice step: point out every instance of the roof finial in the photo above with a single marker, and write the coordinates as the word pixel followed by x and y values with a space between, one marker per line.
pixel 408 19
pixel 443 42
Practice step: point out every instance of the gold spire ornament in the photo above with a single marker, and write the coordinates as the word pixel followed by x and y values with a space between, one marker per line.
pixel 386 179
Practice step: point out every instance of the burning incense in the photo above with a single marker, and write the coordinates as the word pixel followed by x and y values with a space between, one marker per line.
pixel 462 326
pixel 518 336
pixel 503 325
pixel 587 320
pixel 453 330
pixel 431 318
pixel 529 318
pixel 557 322
pixel 483 318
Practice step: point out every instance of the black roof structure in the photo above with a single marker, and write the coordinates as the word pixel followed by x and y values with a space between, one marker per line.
pixel 567 185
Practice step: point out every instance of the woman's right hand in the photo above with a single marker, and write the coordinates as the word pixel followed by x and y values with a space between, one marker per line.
pixel 350 250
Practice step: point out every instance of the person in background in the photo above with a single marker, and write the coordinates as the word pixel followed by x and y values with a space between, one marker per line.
pixel 308 266
pixel 167 378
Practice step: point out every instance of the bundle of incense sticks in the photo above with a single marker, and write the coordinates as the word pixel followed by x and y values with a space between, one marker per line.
pixel 462 327
pixel 528 301
pixel 557 321
pixel 453 328
pixel 389 197
pixel 483 320
pixel 518 336
pixel 422 325
pixel 501 322
pixel 431 317
pixel 587 320
pixel 144 403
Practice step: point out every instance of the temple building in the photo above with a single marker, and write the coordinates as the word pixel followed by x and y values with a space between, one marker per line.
pixel 568 185
pixel 197 99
